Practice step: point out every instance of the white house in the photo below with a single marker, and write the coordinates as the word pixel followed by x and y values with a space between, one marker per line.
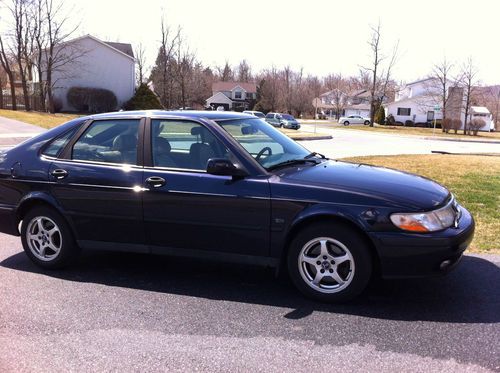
pixel 354 103
pixel 415 102
pixel 236 96
pixel 420 102
pixel 94 63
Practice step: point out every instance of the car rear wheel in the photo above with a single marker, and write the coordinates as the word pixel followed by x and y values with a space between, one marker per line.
pixel 346 123
pixel 47 239
pixel 367 122
pixel 329 262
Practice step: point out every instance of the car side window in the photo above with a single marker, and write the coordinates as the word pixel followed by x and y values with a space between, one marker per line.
pixel 57 145
pixel 184 145
pixel 111 141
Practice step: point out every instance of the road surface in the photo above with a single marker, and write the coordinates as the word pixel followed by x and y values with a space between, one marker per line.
pixel 125 312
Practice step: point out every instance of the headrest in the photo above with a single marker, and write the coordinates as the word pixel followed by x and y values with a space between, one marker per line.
pixel 198 130
pixel 162 145
pixel 124 142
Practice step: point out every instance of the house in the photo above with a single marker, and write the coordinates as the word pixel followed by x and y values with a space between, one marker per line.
pixel 353 103
pixel 93 63
pixel 420 102
pixel 236 96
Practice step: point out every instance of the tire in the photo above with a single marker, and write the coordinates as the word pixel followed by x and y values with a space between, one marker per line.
pixel 47 239
pixel 367 122
pixel 346 123
pixel 338 282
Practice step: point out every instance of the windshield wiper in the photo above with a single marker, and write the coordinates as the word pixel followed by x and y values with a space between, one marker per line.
pixel 291 162
pixel 314 154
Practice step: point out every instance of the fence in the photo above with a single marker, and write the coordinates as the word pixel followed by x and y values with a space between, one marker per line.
pixel 6 102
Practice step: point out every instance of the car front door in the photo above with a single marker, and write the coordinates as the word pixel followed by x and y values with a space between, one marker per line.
pixel 97 181
pixel 186 209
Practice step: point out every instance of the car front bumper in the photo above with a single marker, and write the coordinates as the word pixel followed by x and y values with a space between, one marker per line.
pixel 419 255
pixel 293 126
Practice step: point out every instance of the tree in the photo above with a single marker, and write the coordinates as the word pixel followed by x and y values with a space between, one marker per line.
pixel 469 84
pixel 143 99
pixel 243 72
pixel 380 78
pixel 225 73
pixel 140 58
pixel 338 87
pixel 380 115
pixel 7 66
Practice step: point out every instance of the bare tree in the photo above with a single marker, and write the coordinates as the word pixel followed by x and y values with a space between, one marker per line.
pixel 337 87
pixel 225 72
pixel 184 66
pixel 469 84
pixel 380 78
pixel 6 62
pixel 243 72
pixel 140 59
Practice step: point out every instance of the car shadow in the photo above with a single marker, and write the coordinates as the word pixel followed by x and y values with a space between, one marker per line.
pixel 467 295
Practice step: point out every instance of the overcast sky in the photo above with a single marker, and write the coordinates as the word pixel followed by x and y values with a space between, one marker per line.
pixel 321 36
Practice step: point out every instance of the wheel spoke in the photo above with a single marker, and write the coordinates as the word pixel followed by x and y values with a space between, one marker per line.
pixel 42 250
pixel 309 260
pixel 324 248
pixel 341 259
pixel 335 275
pixel 39 225
pixel 317 279
pixel 53 247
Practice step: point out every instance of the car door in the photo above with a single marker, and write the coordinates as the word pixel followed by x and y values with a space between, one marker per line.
pixel 97 183
pixel 187 209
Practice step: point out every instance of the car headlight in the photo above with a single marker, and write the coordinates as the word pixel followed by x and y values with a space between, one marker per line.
pixel 430 221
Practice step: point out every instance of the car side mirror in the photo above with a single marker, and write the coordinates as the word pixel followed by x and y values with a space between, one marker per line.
pixel 224 167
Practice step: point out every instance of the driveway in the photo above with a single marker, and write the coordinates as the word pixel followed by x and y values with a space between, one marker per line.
pixel 352 143
pixel 127 312
pixel 13 132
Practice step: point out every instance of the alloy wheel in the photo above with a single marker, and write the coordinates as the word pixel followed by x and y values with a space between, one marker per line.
pixel 44 238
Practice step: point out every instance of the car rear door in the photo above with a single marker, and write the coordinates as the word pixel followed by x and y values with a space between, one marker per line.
pixel 187 209
pixel 97 182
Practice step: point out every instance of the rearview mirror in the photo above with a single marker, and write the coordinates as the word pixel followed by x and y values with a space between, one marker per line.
pixel 224 167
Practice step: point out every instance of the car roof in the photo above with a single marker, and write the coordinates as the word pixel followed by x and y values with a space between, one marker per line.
pixel 188 114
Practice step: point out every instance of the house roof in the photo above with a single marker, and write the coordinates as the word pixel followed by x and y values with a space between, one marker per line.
pixel 419 81
pixel 229 86
pixel 122 47
pixel 479 110
pixel 358 107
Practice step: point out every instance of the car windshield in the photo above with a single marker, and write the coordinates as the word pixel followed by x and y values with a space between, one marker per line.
pixel 265 143
pixel 287 117
pixel 259 115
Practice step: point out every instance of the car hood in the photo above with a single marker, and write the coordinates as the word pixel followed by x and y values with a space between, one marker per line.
pixel 388 185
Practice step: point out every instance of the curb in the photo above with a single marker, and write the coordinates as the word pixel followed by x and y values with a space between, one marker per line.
pixel 462 140
pixel 305 138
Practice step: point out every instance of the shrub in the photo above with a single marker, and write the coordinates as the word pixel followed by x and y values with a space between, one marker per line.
pixel 409 123
pixel 455 125
pixel 447 124
pixel 380 115
pixel 93 100
pixel 143 99
pixel 390 120
pixel 475 124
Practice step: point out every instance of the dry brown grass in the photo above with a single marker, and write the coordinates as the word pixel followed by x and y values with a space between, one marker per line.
pixel 44 120
pixel 473 179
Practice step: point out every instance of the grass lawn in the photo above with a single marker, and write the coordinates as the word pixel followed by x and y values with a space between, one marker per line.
pixel 297 134
pixel 401 130
pixel 474 180
pixel 43 120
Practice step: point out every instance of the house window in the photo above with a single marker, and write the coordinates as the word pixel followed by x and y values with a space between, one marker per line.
pixel 249 95
pixel 237 95
pixel 404 111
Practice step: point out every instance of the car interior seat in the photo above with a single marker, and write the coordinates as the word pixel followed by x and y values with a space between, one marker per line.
pixel 200 152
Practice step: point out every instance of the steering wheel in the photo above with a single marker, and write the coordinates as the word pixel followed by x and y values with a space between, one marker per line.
pixel 263 150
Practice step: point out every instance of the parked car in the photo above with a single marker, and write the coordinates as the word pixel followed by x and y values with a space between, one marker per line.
pixel 354 119
pixel 228 186
pixel 282 120
pixel 257 114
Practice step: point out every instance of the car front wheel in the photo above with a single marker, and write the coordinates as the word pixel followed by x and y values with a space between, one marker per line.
pixel 329 262
pixel 47 239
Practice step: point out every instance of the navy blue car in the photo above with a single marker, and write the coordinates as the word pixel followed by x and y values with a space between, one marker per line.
pixel 227 186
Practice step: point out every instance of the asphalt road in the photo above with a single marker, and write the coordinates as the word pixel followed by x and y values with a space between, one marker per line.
pixel 353 143
pixel 124 312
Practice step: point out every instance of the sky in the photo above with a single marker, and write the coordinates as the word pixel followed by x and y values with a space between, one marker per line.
pixel 320 36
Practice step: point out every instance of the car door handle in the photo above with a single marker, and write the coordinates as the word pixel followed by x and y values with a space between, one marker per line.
pixel 156 181
pixel 59 173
